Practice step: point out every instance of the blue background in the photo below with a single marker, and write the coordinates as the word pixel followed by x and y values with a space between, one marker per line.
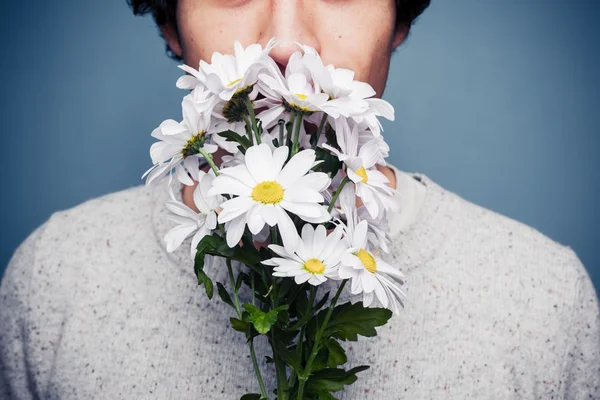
pixel 498 101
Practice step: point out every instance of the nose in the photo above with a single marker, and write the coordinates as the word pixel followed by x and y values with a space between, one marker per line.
pixel 290 22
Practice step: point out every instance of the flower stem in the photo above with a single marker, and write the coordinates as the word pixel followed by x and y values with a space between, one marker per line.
pixel 210 161
pixel 263 389
pixel 316 347
pixel 311 300
pixel 296 145
pixel 238 310
pixel 250 109
pixel 282 383
pixel 281 124
pixel 315 139
pixel 336 194
pixel 236 300
pixel 288 139
pixel 248 127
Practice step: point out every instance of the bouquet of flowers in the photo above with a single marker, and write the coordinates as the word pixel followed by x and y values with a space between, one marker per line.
pixel 281 210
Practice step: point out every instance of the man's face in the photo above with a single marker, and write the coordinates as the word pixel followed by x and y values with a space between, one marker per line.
pixel 355 34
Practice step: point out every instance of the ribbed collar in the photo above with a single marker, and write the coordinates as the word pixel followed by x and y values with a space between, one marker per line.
pixel 412 247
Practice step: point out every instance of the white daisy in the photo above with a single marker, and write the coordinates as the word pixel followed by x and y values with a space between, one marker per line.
pixel 266 188
pixel 295 88
pixel 378 231
pixel 377 143
pixel 347 97
pixel 316 258
pixel 370 275
pixel 178 140
pixel 190 222
pixel 371 184
pixel 227 74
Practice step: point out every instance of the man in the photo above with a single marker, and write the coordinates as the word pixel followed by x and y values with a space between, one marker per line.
pixel 94 307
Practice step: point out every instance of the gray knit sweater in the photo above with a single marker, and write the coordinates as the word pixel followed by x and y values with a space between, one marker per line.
pixel 92 306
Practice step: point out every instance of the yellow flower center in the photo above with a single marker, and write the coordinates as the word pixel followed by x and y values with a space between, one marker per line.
pixel 367 259
pixel 314 266
pixel 268 192
pixel 301 96
pixel 193 145
pixel 363 174
pixel 233 82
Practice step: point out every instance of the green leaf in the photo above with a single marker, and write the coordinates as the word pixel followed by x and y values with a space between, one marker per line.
pixel 330 165
pixel 203 279
pixel 298 307
pixel 262 321
pixel 290 356
pixel 216 245
pixel 238 325
pixel 350 320
pixel 337 354
pixel 239 280
pixel 223 294
pixel 321 359
pixel 332 380
pixel 283 318
pixel 325 396
pixel 232 136
pixel 251 396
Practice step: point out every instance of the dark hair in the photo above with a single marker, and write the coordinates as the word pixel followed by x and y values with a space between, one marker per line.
pixel 165 13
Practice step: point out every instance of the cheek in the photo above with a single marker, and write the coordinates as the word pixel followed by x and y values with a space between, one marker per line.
pixel 205 28
pixel 361 41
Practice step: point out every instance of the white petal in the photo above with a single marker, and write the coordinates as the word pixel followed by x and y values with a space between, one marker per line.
pixel 297 83
pixel 317 180
pixel 302 209
pixel 224 184
pixel 182 175
pixel 268 213
pixel 367 299
pixel 380 293
pixel 323 216
pixel 368 281
pixel 177 235
pixel 302 194
pixel 356 286
pixel 307 234
pixel 163 151
pixel 347 272
pixel 234 208
pixel 235 230
pixel 270 116
pixel 301 278
pixel 172 128
pixel 255 221
pixel 319 238
pixel 382 108
pixel 259 160
pixel 297 167
pixel 323 248
pixel 287 230
pixel 178 208
pixel 279 158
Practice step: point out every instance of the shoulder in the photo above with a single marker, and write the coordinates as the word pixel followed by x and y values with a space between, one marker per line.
pixel 78 238
pixel 105 211
pixel 498 237
pixel 507 263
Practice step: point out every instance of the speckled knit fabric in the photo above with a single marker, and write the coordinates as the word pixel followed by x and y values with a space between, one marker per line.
pixel 91 306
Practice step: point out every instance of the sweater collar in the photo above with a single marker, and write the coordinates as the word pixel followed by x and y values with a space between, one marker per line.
pixel 411 247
